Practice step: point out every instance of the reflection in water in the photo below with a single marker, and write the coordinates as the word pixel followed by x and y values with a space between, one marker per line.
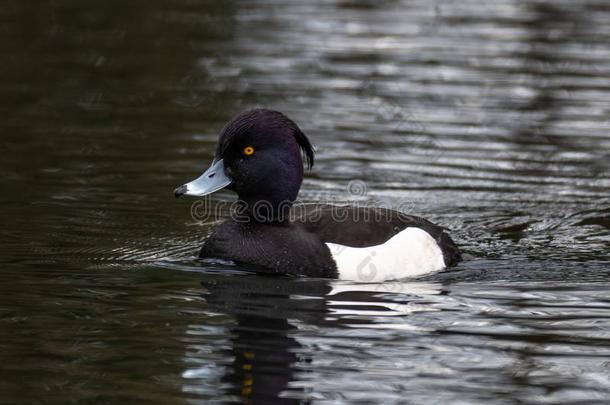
pixel 264 359
pixel 269 350
pixel 263 348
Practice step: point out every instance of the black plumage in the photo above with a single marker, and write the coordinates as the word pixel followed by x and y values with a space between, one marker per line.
pixel 261 153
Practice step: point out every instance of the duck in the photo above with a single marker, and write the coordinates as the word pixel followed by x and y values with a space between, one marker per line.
pixel 261 155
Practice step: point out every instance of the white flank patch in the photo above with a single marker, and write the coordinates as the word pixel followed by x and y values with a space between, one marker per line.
pixel 410 253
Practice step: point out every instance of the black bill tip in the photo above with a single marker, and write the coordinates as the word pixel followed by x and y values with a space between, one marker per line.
pixel 180 191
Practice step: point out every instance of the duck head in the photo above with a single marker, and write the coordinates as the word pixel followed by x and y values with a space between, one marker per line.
pixel 259 156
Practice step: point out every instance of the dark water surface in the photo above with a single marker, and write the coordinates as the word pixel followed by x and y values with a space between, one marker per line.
pixel 490 118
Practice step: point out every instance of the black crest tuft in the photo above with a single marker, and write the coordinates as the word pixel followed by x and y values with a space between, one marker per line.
pixel 305 145
pixel 260 119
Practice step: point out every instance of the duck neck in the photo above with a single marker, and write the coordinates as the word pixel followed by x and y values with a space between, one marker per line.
pixel 264 210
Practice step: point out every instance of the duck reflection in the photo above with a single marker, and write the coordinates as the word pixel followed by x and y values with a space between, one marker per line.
pixel 263 346
pixel 267 345
pixel 264 354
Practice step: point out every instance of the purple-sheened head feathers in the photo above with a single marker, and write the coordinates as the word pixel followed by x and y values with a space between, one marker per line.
pixel 260 123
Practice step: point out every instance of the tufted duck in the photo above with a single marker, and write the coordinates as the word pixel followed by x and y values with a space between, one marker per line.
pixel 260 157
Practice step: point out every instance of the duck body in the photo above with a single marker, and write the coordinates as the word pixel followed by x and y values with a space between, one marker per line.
pixel 365 244
pixel 259 157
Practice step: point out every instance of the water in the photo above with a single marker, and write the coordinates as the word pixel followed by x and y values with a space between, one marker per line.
pixel 490 120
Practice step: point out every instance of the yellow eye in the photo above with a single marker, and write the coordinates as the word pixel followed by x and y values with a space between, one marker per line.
pixel 248 151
